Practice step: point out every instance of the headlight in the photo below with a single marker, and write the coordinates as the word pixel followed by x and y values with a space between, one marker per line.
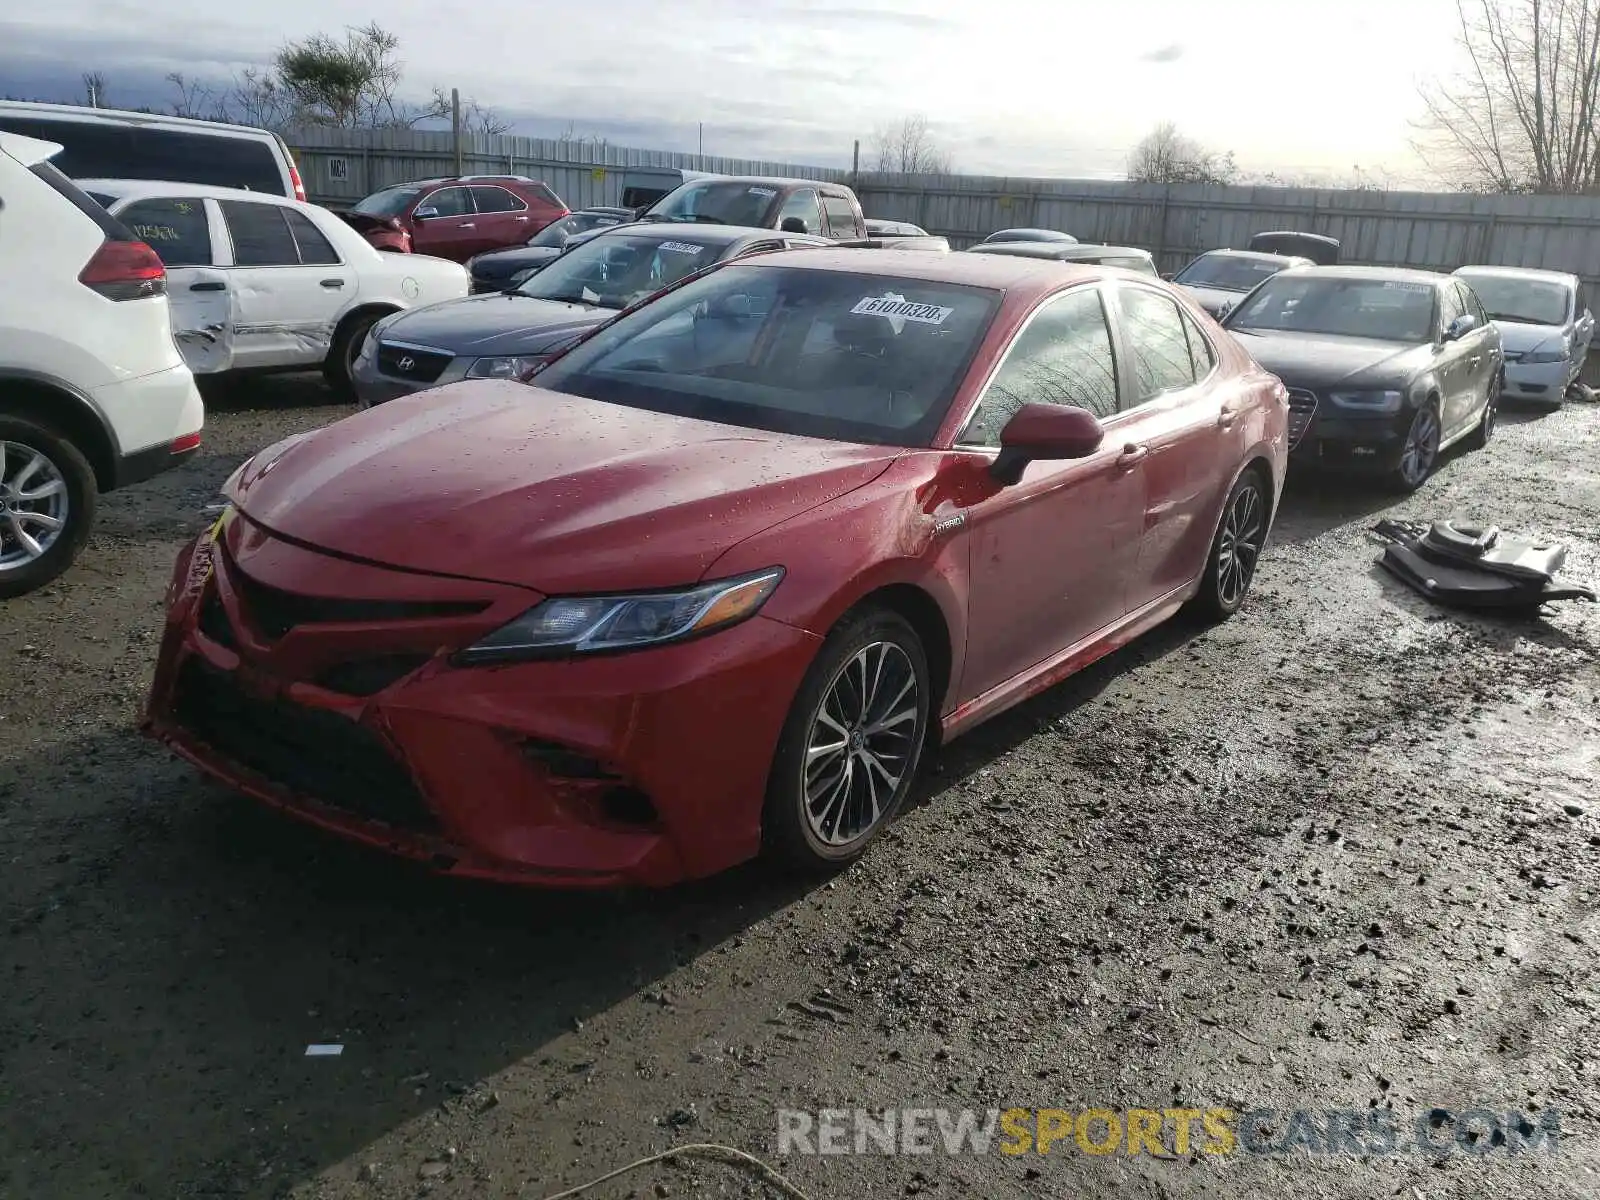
pixel 506 368
pixel 1548 352
pixel 1378 402
pixel 566 625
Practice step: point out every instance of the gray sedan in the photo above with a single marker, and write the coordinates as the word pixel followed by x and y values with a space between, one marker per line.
pixel 506 335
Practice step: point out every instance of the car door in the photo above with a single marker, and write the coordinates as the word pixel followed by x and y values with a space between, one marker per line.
pixel 1484 357
pixel 1050 555
pixel 179 229
pixel 290 286
pixel 445 224
pixel 503 218
pixel 1184 429
pixel 1451 365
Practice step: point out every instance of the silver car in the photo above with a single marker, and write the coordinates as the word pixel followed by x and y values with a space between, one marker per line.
pixel 1545 327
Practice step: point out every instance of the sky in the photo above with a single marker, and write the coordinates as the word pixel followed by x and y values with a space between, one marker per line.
pixel 1012 87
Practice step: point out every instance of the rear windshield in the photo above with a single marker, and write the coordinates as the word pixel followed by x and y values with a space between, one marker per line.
pixel 1228 272
pixel 827 354
pixel 1522 301
pixel 107 150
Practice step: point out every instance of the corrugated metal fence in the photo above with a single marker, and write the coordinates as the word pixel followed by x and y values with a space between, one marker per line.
pixel 1437 231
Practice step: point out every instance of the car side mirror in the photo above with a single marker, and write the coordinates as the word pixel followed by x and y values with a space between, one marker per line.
pixel 1045 432
pixel 1460 327
pixel 793 225
pixel 424 213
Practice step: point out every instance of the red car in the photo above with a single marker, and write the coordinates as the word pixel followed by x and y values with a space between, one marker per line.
pixel 718 579
pixel 456 218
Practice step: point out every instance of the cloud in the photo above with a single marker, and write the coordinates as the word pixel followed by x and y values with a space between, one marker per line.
pixel 1164 54
pixel 832 18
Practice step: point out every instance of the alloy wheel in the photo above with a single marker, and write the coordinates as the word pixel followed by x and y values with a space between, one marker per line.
pixel 1421 448
pixel 34 505
pixel 1243 530
pixel 861 745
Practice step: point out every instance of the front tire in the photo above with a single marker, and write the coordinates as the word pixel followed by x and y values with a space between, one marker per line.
pixel 850 747
pixel 338 369
pixel 1235 550
pixel 47 504
pixel 1419 453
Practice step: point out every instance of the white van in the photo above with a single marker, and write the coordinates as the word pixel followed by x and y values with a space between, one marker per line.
pixel 108 143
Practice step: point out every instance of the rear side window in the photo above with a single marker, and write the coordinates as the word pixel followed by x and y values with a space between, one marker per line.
pixel 1155 328
pixel 80 200
pixel 315 248
pixel 840 215
pixel 108 150
pixel 540 192
pixel 261 236
pixel 496 200
pixel 1199 349
pixel 175 227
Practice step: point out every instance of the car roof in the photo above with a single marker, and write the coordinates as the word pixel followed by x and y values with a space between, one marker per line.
pixel 1026 276
pixel 781 180
pixel 1396 274
pixel 130 189
pixel 119 116
pixel 1060 251
pixel 1520 273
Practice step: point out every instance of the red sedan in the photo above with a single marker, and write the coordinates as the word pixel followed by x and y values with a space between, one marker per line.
pixel 719 579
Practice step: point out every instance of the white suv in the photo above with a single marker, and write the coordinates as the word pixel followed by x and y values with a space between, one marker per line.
pixel 93 392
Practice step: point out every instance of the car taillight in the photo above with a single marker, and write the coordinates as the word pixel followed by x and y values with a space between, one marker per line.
pixel 295 181
pixel 125 271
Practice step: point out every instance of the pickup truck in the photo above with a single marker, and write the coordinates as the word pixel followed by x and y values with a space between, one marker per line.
pixel 808 206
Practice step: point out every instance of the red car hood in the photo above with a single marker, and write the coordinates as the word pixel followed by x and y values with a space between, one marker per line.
pixel 512 484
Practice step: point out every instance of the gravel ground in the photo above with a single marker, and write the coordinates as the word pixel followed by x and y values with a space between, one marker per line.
pixel 1340 852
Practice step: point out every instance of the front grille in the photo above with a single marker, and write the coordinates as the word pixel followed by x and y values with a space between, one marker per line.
pixel 1302 408
pixel 214 622
pixel 418 366
pixel 275 612
pixel 307 751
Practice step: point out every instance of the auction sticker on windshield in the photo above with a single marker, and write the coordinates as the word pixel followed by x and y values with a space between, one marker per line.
pixel 1396 286
pixel 761 191
pixel 682 247
pixel 899 306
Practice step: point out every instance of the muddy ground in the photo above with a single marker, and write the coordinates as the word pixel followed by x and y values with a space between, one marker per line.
pixel 1339 853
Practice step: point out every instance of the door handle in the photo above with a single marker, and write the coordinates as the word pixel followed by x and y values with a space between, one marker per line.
pixel 1228 415
pixel 524 220
pixel 467 225
pixel 1131 456
pixel 333 283
pixel 209 285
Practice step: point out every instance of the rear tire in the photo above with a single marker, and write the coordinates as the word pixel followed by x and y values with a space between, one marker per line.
pixel 44 478
pixel 850 748
pixel 1235 550
pixel 338 367
pixel 1479 437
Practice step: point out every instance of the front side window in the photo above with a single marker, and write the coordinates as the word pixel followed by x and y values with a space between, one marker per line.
pixel 1162 360
pixel 261 236
pixel 449 202
pixel 1398 310
pixel 831 354
pixel 1062 356
pixel 176 228
pixel 802 206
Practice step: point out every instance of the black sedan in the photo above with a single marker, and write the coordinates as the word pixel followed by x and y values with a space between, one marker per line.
pixel 506 335
pixel 1386 368
pixel 502 270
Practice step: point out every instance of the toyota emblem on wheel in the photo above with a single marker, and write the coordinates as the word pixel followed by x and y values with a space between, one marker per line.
pixel 406 363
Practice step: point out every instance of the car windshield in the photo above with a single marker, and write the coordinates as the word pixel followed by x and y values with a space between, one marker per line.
pixel 1392 310
pixel 557 232
pixel 615 269
pixel 829 354
pixel 722 202
pixel 1227 272
pixel 1522 301
pixel 390 202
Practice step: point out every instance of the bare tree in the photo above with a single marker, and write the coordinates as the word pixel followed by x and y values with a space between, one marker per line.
pixel 1523 115
pixel 908 148
pixel 475 118
pixel 94 88
pixel 257 98
pixel 194 99
pixel 1166 156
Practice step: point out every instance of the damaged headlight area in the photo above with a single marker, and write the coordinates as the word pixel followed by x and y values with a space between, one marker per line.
pixel 514 367
pixel 567 625
pixel 1369 401
pixel 1547 352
